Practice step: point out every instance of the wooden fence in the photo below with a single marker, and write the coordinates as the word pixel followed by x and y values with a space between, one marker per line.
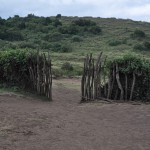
pixel 41 74
pixel 93 78
pixel 110 83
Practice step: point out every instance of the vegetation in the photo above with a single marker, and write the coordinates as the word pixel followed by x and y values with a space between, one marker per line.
pixel 138 34
pixel 134 77
pixel 126 78
pixel 144 46
pixel 67 66
pixel 71 38
pixel 26 70
pixel 13 68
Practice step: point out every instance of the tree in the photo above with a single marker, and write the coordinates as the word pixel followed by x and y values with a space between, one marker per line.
pixel 58 16
pixel 2 21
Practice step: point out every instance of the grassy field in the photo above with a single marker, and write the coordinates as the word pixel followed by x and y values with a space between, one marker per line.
pixel 112 30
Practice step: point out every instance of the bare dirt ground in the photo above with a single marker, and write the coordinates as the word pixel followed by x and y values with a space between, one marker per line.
pixel 31 124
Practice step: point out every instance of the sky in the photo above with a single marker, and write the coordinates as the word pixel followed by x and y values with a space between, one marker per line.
pixel 127 9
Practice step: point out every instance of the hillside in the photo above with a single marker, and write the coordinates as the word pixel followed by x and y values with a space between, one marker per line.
pixel 69 39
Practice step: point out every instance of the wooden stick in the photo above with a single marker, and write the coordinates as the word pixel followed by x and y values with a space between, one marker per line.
pixel 38 73
pixel 118 82
pixel 132 88
pixel 126 87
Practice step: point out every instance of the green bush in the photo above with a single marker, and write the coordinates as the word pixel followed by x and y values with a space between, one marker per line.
pixel 138 47
pixel 2 21
pixel 27 45
pixel 65 48
pixel 62 48
pixel 67 66
pixel 57 22
pixel 84 22
pixel 95 30
pixel 147 45
pixel 53 37
pixel 22 25
pixel 143 46
pixel 46 45
pixel 70 29
pixel 56 47
pixel 124 41
pixel 76 38
pixel 114 42
pixel 41 28
pixel 11 36
pixel 47 21
pixel 138 34
pixel 13 67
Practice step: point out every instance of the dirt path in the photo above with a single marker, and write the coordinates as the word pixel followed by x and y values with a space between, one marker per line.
pixel 64 124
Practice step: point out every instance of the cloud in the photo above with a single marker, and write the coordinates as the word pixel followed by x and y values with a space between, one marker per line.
pixel 140 10
pixel 135 9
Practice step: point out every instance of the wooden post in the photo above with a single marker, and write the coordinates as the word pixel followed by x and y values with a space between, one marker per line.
pixel 38 73
pixel 118 82
pixel 126 87
pixel 132 88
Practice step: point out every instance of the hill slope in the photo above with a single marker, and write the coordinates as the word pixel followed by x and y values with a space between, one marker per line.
pixel 69 39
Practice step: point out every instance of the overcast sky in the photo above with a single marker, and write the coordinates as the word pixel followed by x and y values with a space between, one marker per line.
pixel 128 9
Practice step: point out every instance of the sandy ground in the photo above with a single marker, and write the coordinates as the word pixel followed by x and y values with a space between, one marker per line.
pixel 31 124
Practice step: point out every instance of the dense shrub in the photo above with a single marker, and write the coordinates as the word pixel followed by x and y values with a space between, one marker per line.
pixel 114 42
pixel 76 38
pixel 47 21
pixel 22 25
pixel 57 72
pixel 41 28
pixel 56 47
pixel 53 37
pixel 2 21
pixel 13 67
pixel 67 66
pixel 63 48
pixel 31 26
pixel 11 36
pixel 143 46
pixel 84 22
pixel 27 45
pixel 124 41
pixel 57 22
pixel 138 47
pixel 70 29
pixel 138 34
pixel 147 45
pixel 46 45
pixel 95 30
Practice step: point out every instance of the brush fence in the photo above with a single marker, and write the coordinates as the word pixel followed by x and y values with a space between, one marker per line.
pixel 41 74
pixel 110 83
